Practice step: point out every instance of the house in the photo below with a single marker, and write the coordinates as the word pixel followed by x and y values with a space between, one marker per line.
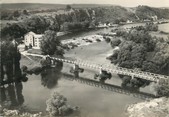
pixel 129 21
pixel 32 39
pixel 155 18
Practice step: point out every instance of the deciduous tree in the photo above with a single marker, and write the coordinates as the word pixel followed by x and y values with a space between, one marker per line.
pixel 50 44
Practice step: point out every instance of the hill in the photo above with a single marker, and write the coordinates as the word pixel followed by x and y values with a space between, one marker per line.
pixel 144 12
pixel 38 6
pixel 103 13
pixel 30 6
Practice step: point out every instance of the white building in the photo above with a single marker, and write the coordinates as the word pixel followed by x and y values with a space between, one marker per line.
pixel 33 39
pixel 129 21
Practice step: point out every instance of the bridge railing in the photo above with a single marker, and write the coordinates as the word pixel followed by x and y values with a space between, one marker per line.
pixel 118 70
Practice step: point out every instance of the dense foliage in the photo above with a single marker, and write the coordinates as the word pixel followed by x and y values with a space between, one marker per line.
pixel 15 30
pixel 140 51
pixel 51 45
pixel 148 27
pixel 57 105
pixel 77 19
pixel 115 42
pixel 145 12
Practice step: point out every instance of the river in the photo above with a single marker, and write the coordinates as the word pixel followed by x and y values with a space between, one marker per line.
pixel 93 102
pixel 164 27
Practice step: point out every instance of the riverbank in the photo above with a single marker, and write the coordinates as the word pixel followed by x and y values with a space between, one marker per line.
pixel 19 113
pixel 95 53
pixel 92 105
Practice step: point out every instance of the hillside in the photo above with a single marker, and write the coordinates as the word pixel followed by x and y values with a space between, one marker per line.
pixel 38 6
pixel 122 14
pixel 144 12
pixel 103 13
pixel 113 13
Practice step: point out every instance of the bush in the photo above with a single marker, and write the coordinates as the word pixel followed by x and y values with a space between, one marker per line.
pixel 107 39
pixel 57 105
pixel 98 40
pixel 115 42
pixel 161 90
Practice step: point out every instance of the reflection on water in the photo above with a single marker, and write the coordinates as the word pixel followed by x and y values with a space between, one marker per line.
pixel 11 76
pixel 92 101
pixel 11 95
pixel 49 77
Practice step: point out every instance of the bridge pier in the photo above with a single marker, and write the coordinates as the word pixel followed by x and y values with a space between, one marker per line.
pixel 132 76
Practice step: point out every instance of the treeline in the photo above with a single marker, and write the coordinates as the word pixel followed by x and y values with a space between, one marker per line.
pixel 73 21
pixel 12 15
pixel 113 14
pixel 145 12
pixel 148 27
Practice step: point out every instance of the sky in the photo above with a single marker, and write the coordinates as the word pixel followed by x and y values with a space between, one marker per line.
pixel 127 3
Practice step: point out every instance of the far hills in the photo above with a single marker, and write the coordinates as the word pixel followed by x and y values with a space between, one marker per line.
pixel 103 12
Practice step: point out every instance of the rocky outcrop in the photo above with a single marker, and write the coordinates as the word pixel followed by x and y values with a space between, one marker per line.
pixel 153 108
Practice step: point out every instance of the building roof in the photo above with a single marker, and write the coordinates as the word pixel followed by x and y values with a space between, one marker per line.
pixel 38 35
pixel 32 33
pixel 35 35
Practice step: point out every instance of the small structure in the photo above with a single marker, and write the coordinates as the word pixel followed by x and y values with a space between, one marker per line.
pixel 33 40
pixel 76 70
pixel 129 21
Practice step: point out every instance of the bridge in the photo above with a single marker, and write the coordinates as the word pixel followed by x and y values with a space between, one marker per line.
pixel 157 78
pixel 109 87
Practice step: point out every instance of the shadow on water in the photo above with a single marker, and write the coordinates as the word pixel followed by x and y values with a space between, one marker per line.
pixel 11 76
pixel 50 77
pixel 110 87
pixel 11 95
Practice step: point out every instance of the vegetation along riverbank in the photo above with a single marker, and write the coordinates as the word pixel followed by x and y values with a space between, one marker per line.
pixel 116 36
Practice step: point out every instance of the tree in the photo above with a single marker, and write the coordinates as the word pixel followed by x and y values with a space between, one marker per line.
pixel 15 30
pixel 8 50
pixel 37 24
pixel 54 26
pixel 16 14
pixel 140 50
pixel 161 90
pixel 57 105
pixel 25 12
pixel 50 44
pixel 115 42
pixel 68 7
pixel 150 67
pixel 59 21
pixel 116 21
